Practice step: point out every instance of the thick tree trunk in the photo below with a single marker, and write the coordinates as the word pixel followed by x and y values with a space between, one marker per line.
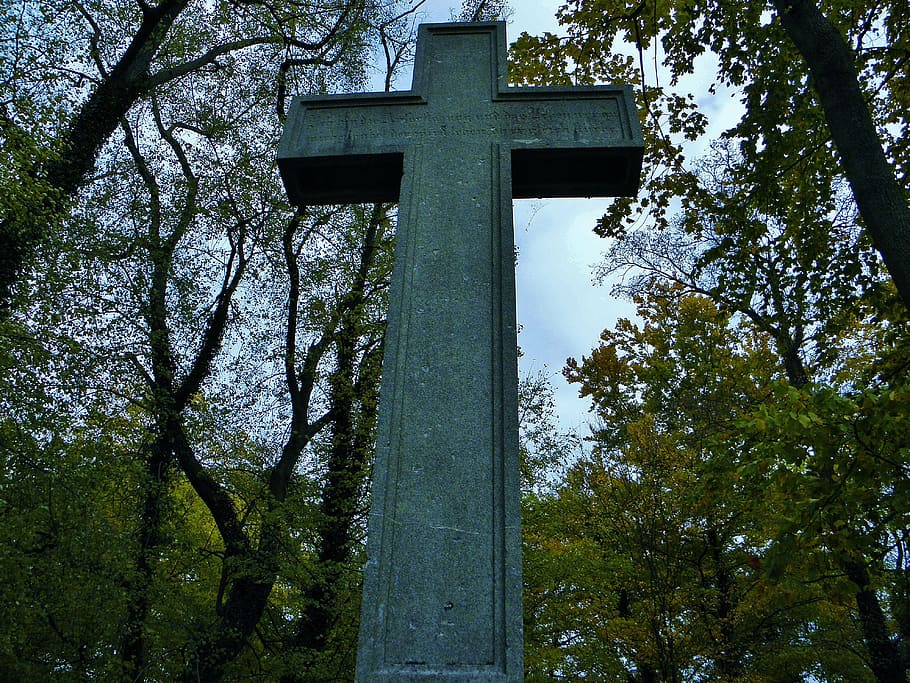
pixel 248 572
pixel 241 612
pixel 885 659
pixel 79 144
pixel 793 362
pixel 881 200
pixel 113 98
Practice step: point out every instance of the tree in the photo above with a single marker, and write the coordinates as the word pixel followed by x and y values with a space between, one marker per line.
pixel 482 10
pixel 766 234
pixel 177 264
pixel 855 55
pixel 788 276
pixel 64 43
pixel 880 195
pixel 545 448
pixel 661 542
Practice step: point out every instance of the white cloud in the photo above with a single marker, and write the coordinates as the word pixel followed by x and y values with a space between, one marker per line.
pixel 560 311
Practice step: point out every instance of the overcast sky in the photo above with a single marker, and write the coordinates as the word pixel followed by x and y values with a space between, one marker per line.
pixel 561 313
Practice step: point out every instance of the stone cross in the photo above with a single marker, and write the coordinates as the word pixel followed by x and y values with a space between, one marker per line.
pixel 442 584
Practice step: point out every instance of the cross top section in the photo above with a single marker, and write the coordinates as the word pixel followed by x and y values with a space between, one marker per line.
pixel 564 142
pixel 481 66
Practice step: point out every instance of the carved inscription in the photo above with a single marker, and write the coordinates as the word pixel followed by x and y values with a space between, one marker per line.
pixel 511 122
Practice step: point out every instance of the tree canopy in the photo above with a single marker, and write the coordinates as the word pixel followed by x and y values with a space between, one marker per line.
pixel 741 515
pixel 189 367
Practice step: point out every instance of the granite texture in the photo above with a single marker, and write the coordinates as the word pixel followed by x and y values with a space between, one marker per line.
pixel 442 588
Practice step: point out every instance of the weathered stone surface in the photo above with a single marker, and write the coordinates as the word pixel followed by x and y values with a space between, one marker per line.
pixel 442 593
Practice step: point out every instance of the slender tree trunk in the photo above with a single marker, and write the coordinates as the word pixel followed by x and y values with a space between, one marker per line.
pixel 250 571
pixel 881 200
pixel 349 460
pixel 729 663
pixel 354 402
pixel 886 660
pixel 153 493
pixel 338 508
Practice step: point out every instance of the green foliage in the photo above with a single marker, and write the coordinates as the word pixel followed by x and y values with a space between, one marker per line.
pixel 171 376
pixel 66 496
pixel 184 347
pixel 782 127
pixel 784 435
pixel 684 546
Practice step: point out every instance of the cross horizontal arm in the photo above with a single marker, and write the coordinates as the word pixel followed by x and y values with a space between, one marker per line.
pixel 565 142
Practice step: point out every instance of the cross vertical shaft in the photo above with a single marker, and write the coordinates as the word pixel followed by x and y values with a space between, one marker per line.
pixel 443 520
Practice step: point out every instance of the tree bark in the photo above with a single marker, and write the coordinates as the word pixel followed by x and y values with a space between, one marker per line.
pixel 340 506
pixel 728 661
pixel 247 571
pixel 171 398
pixel 113 98
pixel 885 659
pixel 153 496
pixel 881 200
pixel 248 589
pixel 80 143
